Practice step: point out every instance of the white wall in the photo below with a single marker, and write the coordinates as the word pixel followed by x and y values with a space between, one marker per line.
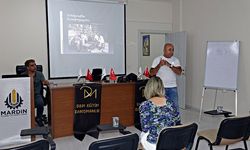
pixel 22 33
pixel 145 16
pixel 23 30
pixel 206 20
pixel 176 15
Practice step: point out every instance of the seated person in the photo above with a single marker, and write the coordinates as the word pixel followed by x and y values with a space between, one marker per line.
pixel 39 81
pixel 156 113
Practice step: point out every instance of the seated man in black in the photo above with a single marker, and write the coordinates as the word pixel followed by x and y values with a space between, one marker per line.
pixel 39 81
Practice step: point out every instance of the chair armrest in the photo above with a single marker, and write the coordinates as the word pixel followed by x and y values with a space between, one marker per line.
pixel 44 131
pixel 107 127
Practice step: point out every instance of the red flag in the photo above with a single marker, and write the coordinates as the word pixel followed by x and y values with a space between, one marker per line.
pixel 146 72
pixel 112 75
pixel 89 76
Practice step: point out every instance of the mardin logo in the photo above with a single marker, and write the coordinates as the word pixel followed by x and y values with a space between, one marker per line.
pixel 88 92
pixel 14 100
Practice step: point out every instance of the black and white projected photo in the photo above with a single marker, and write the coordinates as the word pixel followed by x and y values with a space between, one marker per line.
pixel 83 36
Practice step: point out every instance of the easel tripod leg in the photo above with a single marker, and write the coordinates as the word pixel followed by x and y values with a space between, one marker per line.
pixel 202 98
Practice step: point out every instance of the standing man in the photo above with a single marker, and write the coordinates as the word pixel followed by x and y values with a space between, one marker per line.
pixel 39 81
pixel 167 67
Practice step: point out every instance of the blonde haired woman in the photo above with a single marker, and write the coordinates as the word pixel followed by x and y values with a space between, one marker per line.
pixel 156 113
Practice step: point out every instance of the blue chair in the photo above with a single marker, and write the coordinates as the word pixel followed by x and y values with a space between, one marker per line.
pixel 37 145
pixel 97 74
pixel 46 143
pixel 177 137
pixel 128 142
pixel 22 68
pixel 231 131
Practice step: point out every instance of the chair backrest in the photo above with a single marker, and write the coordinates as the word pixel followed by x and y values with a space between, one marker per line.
pixel 233 128
pixel 128 142
pixel 248 130
pixel 97 74
pixel 177 138
pixel 37 145
pixel 131 77
pixel 22 68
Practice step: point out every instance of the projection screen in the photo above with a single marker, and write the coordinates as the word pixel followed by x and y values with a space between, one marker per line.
pixel 85 34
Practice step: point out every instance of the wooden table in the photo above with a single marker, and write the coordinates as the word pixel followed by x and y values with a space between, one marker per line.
pixel 117 99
